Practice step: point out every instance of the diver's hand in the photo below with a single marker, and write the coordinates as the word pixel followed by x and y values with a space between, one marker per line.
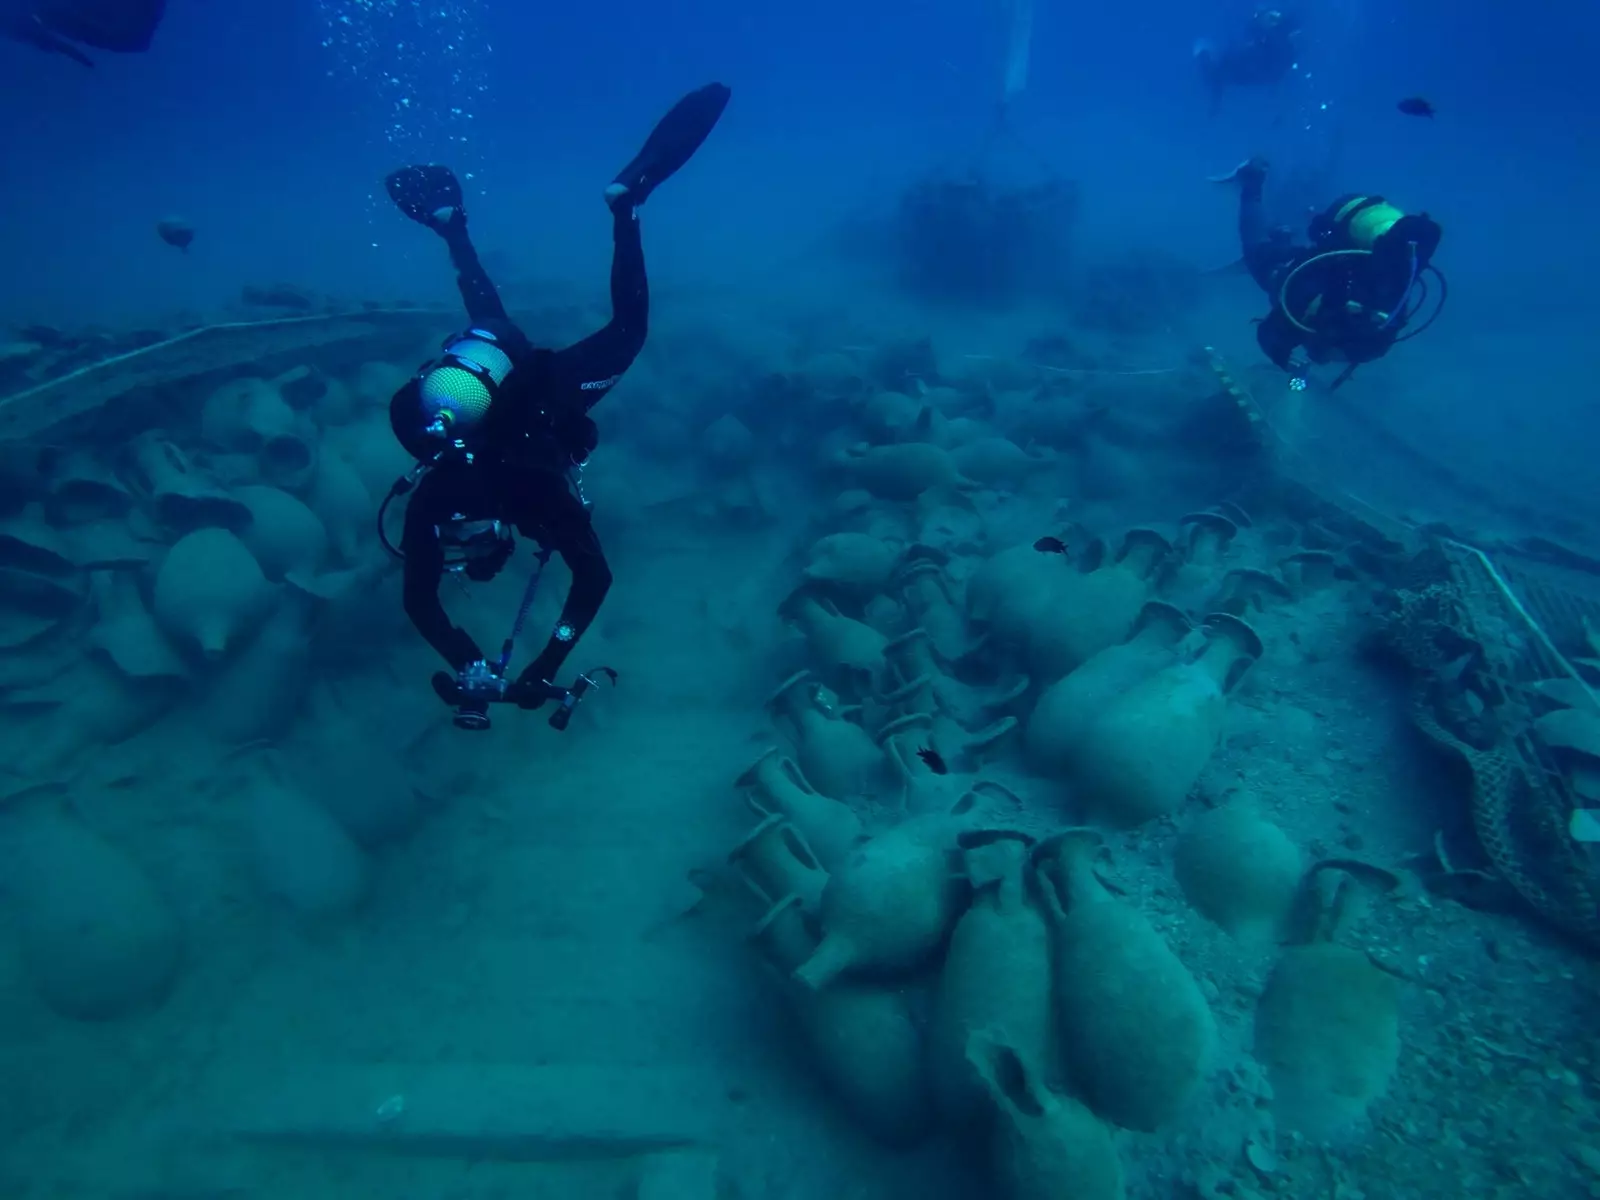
pixel 446 687
pixel 528 692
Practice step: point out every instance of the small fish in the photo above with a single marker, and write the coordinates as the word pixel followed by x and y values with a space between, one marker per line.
pixel 1415 106
pixel 1050 545
pixel 934 759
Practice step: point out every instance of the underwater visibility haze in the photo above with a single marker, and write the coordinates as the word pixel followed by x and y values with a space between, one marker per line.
pixel 988 598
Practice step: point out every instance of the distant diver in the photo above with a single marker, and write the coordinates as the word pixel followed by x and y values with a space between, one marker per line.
pixel 501 432
pixel 62 26
pixel 1263 56
pixel 1352 293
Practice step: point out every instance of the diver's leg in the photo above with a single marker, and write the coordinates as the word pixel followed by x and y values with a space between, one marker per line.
pixel 590 367
pixel 477 290
pixel 430 194
pixel 1255 235
pixel 1252 211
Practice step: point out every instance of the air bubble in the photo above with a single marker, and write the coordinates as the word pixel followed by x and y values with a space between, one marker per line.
pixel 422 63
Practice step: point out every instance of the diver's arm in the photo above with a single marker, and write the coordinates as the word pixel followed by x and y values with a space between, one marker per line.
pixel 477 289
pixel 589 368
pixel 424 570
pixel 1277 338
pixel 572 536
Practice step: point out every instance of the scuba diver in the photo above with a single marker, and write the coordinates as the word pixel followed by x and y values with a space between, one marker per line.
pixel 501 432
pixel 1348 296
pixel 1263 56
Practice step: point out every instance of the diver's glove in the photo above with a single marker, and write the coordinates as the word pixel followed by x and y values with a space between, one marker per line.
pixel 534 681
pixel 470 692
pixel 529 692
pixel 446 688
pixel 532 686
pixel 474 683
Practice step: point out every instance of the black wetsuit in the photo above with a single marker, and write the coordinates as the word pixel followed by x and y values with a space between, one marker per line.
pixel 525 460
pixel 1347 292
pixel 1269 253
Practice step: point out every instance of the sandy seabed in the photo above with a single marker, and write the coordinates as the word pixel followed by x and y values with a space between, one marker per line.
pixel 523 975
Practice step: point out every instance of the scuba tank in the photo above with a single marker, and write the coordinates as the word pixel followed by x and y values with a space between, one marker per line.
pixel 1371 223
pixel 1365 281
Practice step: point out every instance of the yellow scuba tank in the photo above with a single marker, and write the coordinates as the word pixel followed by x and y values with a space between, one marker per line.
pixel 1358 222
pixel 1372 224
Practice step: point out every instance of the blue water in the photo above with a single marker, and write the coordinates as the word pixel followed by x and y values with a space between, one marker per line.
pixel 271 141
pixel 269 125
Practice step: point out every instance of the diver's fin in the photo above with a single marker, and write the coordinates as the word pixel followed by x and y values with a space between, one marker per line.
pixel 423 191
pixel 674 140
pixel 124 26
pixel 1253 167
pixel 31 32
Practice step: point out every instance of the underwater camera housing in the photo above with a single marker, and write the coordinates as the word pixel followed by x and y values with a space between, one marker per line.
pixel 481 684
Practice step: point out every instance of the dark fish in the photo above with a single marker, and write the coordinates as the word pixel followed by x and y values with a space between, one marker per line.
pixel 1415 106
pixel 123 26
pixel 175 232
pixel 934 759
pixel 1050 545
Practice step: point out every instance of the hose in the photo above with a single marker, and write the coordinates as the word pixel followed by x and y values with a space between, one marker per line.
pixel 1411 282
pixel 1400 314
